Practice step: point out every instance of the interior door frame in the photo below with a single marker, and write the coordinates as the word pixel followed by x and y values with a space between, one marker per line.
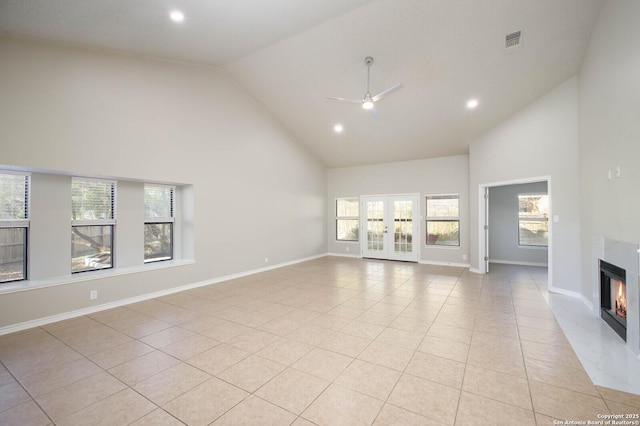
pixel 485 226
pixel 483 210
pixel 416 229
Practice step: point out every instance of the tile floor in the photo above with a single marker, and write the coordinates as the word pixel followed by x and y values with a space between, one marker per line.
pixel 334 341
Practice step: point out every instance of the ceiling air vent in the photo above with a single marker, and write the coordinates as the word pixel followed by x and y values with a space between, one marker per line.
pixel 512 40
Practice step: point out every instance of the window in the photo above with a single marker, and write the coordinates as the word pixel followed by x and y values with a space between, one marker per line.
pixel 347 219
pixel 443 220
pixel 533 220
pixel 93 205
pixel 158 223
pixel 14 223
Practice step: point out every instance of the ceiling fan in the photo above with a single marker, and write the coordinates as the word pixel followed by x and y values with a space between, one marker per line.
pixel 368 101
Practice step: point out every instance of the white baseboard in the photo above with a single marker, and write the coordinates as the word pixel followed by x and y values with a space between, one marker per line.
pixel 587 302
pixel 577 295
pixel 565 292
pixel 432 262
pixel 475 270
pixel 344 255
pixel 517 262
pixel 93 309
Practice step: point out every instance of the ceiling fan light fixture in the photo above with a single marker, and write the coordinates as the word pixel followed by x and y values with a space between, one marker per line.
pixel 368 101
pixel 367 104
pixel 176 16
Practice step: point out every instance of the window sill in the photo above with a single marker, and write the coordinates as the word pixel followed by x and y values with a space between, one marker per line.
pixel 17 286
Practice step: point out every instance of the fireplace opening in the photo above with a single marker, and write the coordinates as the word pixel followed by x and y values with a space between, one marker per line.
pixel 613 297
pixel 619 294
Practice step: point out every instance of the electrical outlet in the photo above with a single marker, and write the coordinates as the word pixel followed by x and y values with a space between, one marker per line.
pixel 93 294
pixel 266 260
pixel 347 248
pixel 464 257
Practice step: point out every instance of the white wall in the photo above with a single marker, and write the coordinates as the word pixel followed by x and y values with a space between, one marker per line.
pixel 503 226
pixel 609 107
pixel 256 191
pixel 539 141
pixel 444 175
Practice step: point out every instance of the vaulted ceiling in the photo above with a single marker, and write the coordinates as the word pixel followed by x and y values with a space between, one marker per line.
pixel 290 55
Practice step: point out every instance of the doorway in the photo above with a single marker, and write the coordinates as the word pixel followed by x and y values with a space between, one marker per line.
pixel 512 232
pixel 392 227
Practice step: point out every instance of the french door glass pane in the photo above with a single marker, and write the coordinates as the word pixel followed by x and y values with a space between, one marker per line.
pixel 403 226
pixel 91 247
pixel 12 254
pixel 375 225
pixel 158 241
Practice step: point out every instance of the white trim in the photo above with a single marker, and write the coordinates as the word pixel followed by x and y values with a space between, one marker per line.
pixel 4 171
pixel 518 181
pixel 438 247
pixel 570 293
pixel 357 256
pixel 93 179
pixel 516 262
pixel 14 223
pixel 86 311
pixel 587 302
pixel 445 194
pixel 433 262
pixel 476 271
pixel 27 285
pixel 90 222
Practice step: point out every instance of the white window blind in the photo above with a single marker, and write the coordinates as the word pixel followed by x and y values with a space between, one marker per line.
pixel 14 197
pixel 93 200
pixel 14 225
pixel 159 203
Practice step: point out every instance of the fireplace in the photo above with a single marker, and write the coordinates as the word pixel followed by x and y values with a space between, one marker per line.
pixel 613 297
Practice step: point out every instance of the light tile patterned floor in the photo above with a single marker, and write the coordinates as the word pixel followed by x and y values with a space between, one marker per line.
pixel 334 341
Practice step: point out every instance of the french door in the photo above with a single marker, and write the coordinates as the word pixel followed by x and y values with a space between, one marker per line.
pixel 391 227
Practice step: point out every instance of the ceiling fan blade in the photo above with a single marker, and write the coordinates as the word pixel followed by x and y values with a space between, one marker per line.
pixel 384 92
pixel 353 101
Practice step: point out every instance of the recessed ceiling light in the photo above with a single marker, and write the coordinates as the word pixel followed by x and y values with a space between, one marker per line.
pixel 338 128
pixel 472 103
pixel 176 16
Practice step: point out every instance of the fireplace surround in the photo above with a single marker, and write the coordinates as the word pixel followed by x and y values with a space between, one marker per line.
pixel 613 297
pixel 626 257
